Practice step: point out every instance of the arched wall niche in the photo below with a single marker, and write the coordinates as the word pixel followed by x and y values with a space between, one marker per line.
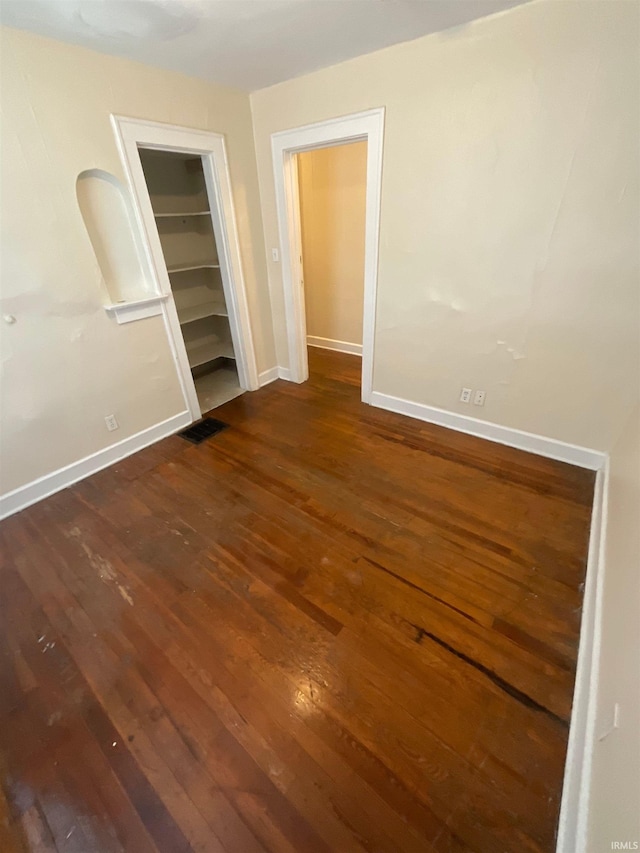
pixel 110 222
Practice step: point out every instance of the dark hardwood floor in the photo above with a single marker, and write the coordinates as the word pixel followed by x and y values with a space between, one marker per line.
pixel 329 628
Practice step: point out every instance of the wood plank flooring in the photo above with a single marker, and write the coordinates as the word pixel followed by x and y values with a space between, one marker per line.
pixel 329 628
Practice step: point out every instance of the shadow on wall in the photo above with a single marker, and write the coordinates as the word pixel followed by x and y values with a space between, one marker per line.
pixel 111 226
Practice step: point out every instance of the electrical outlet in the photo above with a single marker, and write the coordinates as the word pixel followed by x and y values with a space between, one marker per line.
pixel 111 422
pixel 465 395
pixel 275 255
pixel 478 399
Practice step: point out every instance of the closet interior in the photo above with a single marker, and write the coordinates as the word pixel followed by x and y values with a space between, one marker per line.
pixel 182 211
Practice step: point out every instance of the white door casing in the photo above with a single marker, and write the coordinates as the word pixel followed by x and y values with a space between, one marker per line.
pixel 285 145
pixel 132 134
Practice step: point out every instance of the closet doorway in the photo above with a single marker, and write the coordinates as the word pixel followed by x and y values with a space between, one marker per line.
pixel 182 189
pixel 182 212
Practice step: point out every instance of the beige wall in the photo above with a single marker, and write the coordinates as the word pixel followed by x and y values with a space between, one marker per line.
pixel 65 364
pixel 509 245
pixel 333 183
pixel 614 811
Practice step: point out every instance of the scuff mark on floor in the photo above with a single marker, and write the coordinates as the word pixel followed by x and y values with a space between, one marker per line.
pixel 54 718
pixel 123 592
pixel 105 570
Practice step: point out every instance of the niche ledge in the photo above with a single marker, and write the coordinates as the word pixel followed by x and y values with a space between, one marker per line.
pixel 136 309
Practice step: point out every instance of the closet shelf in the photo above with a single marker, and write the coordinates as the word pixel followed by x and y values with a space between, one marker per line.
pixel 199 318
pixel 208 351
pixel 182 213
pixel 197 312
pixel 196 266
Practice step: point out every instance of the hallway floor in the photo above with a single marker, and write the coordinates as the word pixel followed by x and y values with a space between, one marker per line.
pixel 329 628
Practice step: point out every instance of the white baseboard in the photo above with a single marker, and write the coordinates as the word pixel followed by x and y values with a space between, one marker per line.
pixel 268 376
pixel 543 446
pixel 339 346
pixel 41 488
pixel 574 807
pixel 274 373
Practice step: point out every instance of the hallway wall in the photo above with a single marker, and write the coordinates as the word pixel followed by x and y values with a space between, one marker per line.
pixel 332 218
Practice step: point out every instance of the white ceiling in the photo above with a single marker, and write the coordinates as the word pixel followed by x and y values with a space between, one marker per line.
pixel 248 44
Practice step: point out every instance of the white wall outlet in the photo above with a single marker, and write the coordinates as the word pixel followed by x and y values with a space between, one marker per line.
pixel 275 255
pixel 465 395
pixel 478 399
pixel 111 422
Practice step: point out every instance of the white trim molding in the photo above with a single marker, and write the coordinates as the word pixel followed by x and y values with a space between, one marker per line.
pixel 267 376
pixel 583 457
pixel 574 806
pixel 137 309
pixel 35 491
pixel 132 134
pixel 338 346
pixel 273 373
pixel 285 145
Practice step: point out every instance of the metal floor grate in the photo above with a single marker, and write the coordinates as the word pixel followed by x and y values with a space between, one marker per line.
pixel 202 430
